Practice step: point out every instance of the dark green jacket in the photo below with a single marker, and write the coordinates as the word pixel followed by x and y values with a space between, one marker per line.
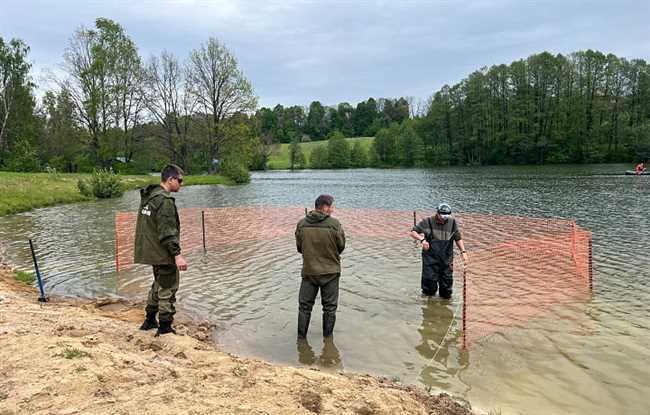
pixel 158 228
pixel 320 239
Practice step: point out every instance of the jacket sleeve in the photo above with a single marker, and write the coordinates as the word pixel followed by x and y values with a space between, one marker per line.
pixel 340 239
pixel 168 233
pixel 298 239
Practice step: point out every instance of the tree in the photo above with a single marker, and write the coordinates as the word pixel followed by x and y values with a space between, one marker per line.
pixel 170 105
pixel 316 120
pixel 358 155
pixel 105 79
pixel 16 101
pixel 338 151
pixel 319 158
pixel 296 156
pixel 63 139
pixel 220 89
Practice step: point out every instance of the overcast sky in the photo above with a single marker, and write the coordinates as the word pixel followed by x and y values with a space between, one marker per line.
pixel 335 51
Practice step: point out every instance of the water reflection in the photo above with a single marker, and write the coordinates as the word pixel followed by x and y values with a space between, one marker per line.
pixel 329 358
pixel 440 338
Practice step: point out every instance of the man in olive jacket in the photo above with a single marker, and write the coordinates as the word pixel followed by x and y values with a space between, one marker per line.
pixel 157 243
pixel 321 240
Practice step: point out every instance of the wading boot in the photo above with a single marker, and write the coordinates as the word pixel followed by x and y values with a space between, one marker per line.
pixel 149 322
pixel 165 327
pixel 329 319
pixel 303 324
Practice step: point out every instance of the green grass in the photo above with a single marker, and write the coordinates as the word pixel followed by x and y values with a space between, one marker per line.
pixel 26 191
pixel 24 277
pixel 72 353
pixel 279 158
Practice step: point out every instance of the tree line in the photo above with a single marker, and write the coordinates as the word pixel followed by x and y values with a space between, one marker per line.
pixel 316 122
pixel 114 108
pixel 586 107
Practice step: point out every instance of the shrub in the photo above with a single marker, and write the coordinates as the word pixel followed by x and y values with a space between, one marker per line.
pixel 319 157
pixel 338 151
pixel 236 171
pixel 358 155
pixel 103 184
pixel 23 158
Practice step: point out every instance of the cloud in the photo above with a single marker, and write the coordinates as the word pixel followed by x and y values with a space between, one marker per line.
pixel 298 51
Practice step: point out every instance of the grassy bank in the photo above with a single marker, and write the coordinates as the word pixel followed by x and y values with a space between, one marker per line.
pixel 25 191
pixel 279 158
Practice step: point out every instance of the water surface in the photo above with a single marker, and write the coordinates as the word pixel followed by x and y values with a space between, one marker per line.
pixel 582 358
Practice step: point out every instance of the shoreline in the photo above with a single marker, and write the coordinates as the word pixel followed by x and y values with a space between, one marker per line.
pixel 23 192
pixel 74 356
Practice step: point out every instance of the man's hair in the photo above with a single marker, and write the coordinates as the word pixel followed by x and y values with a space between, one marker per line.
pixel 169 171
pixel 323 200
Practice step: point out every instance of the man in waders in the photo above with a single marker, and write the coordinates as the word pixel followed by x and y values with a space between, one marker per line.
pixel 157 243
pixel 321 240
pixel 437 234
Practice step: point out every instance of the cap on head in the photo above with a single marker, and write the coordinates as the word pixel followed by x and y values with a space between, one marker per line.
pixel 444 209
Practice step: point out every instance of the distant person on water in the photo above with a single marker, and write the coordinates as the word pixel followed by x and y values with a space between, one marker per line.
pixel 321 240
pixel 640 168
pixel 437 234
pixel 157 243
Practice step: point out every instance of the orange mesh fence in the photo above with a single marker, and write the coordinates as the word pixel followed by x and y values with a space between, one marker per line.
pixel 519 267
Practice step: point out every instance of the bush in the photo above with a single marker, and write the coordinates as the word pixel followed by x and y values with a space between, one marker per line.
pixel 23 158
pixel 237 171
pixel 338 151
pixel 103 184
pixel 358 155
pixel 319 157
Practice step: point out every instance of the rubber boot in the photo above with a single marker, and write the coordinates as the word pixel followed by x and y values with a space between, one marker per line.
pixel 303 324
pixel 165 327
pixel 149 322
pixel 329 319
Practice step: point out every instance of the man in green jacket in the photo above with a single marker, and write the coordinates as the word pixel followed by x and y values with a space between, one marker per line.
pixel 321 240
pixel 157 243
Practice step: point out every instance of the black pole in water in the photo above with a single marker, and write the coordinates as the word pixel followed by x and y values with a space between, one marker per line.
pixel 305 211
pixel 42 298
pixel 414 219
pixel 203 228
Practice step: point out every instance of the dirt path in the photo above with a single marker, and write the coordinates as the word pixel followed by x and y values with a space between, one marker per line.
pixel 69 357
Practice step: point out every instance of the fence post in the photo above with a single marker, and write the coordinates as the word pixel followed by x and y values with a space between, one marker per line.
pixel 306 212
pixel 591 266
pixel 42 298
pixel 464 308
pixel 117 247
pixel 203 230
pixel 415 220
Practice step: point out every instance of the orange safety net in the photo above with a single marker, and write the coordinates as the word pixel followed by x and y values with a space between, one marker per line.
pixel 518 268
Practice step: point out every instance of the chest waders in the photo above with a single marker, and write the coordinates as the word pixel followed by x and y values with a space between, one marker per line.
pixel 437 266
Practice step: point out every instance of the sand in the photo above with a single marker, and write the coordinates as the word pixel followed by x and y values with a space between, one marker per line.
pixel 74 357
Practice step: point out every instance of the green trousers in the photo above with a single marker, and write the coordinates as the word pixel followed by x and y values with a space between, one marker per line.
pixel 328 285
pixel 162 294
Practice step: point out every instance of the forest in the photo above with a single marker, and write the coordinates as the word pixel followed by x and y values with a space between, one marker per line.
pixel 109 107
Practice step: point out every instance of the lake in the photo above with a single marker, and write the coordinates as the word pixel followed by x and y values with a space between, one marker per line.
pixel 589 357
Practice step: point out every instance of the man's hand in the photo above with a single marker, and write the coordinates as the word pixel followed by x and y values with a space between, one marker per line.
pixel 180 263
pixel 465 258
pixel 425 245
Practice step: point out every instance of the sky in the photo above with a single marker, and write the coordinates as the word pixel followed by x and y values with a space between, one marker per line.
pixel 295 52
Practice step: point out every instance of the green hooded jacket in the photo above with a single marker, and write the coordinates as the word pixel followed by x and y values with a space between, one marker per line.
pixel 158 228
pixel 321 240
